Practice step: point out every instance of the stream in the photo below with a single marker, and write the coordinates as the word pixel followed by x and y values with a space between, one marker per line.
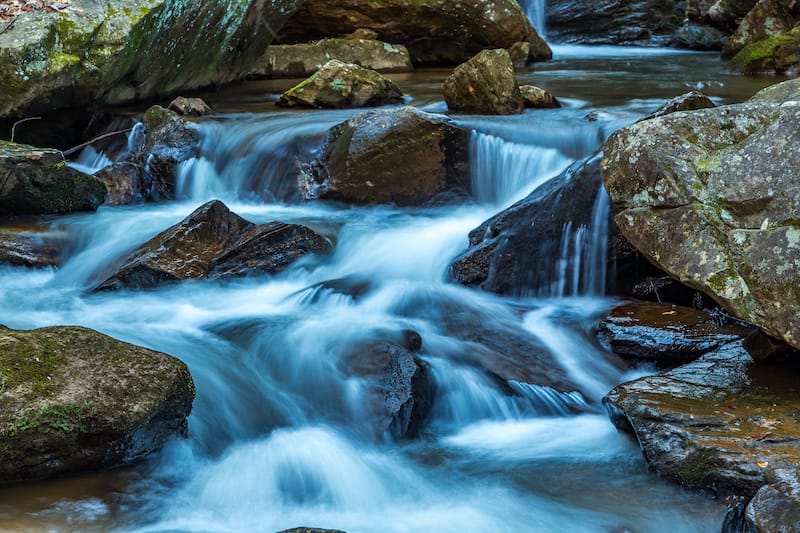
pixel 277 436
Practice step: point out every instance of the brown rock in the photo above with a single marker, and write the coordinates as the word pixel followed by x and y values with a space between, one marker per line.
pixel 194 107
pixel 486 85
pixel 767 19
pixel 538 98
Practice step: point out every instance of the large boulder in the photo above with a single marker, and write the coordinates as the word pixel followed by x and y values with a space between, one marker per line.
pixel 721 422
pixel 342 85
pixel 39 181
pixel 402 156
pixel 767 19
pixel 72 400
pixel 303 59
pixel 434 31
pixel 774 55
pixel 709 196
pixel 486 84
pixel 214 242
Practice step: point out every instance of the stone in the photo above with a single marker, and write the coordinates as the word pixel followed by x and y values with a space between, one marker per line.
pixel 779 93
pixel 35 247
pixel 39 181
pixel 519 53
pixel 721 423
pixel 536 97
pixel 127 183
pixel 304 59
pixel 776 507
pixel 665 334
pixel 342 85
pixel 486 85
pixel 690 101
pixel 73 400
pixel 699 37
pixel 728 11
pixel 310 530
pixel 214 242
pixel 402 156
pixel 679 183
pixel 193 107
pixel 436 32
pixel 767 19
pixel 775 55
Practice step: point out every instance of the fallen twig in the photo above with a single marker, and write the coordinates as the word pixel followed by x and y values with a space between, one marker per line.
pixel 92 141
pixel 14 127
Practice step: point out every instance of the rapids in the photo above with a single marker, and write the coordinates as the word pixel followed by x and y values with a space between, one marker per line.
pixel 277 437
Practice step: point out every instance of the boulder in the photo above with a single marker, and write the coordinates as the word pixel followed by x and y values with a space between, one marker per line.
pixel 486 85
pixel 699 37
pixel 32 247
pixel 39 181
pixel 519 53
pixel 194 107
pixel 727 12
pixel 665 334
pixel 767 19
pixel 169 140
pixel 776 507
pixel 690 101
pixel 72 400
pixel 436 32
pixel 127 183
pixel 775 55
pixel 402 156
pixel 721 422
pixel 538 98
pixel 213 242
pixel 709 197
pixel 342 85
pixel 303 59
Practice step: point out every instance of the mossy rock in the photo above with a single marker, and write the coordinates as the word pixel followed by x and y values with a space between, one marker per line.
pixel 769 56
pixel 73 399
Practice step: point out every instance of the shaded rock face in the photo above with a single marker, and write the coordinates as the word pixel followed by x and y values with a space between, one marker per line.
pixel 194 107
pixel 435 32
pixel 486 85
pixel 127 183
pixel 767 19
pixel 776 507
pixel 303 59
pixel 342 85
pixel 690 101
pixel 74 400
pixel 38 181
pixel 775 55
pixel 402 156
pixel 665 334
pixel 721 422
pixel 536 97
pixel 32 247
pixel 699 37
pixel 710 198
pixel 213 242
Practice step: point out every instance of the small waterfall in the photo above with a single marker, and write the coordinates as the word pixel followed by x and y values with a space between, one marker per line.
pixel 535 11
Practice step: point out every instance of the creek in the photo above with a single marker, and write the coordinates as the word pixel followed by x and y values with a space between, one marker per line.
pixel 278 437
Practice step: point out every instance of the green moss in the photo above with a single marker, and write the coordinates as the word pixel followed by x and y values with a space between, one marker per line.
pixel 30 365
pixel 754 56
pixel 338 84
pixel 66 417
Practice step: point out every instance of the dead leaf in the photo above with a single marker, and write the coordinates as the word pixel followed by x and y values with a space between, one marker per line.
pixel 33 157
pixel 761 436
pixel 762 464
pixel 669 312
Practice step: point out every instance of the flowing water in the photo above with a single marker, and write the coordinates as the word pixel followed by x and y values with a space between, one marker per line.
pixel 279 436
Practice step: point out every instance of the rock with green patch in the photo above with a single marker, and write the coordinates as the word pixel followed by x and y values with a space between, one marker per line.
pixel 342 85
pixel 39 181
pixel 774 55
pixel 402 156
pixel 709 196
pixel 436 32
pixel 72 400
pixel 767 19
pixel 303 59
pixel 721 422
pixel 214 242
pixel 485 85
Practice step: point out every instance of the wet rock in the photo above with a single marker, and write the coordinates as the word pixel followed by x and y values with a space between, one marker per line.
pixel 775 55
pixel 776 507
pixel 677 181
pixel 213 242
pixel 39 181
pixel 310 530
pixel 721 422
pixel 538 98
pixel 767 19
pixel 519 53
pixel 72 400
pixel 436 32
pixel 127 183
pixel 402 156
pixel 194 107
pixel 699 37
pixel 31 247
pixel 690 101
pixel 725 12
pixel 665 334
pixel 303 59
pixel 341 85
pixel 485 85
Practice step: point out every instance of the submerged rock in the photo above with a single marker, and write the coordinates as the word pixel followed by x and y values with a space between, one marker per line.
pixel 73 400
pixel 39 181
pixel 342 85
pixel 214 242
pixel 486 84
pixel 402 156
pixel 303 59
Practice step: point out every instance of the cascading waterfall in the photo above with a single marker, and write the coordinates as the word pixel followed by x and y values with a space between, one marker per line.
pixel 535 11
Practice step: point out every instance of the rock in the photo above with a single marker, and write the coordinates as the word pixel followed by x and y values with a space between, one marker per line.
pixel 721 422
pixel 402 156
pixel 127 183
pixel 699 37
pixel 32 247
pixel 519 53
pixel 778 92
pixel 72 400
pixel 538 98
pixel 767 19
pixel 341 85
pixel 776 507
pixel 436 32
pixel 303 59
pixel 362 33
pixel 486 85
pixel 690 101
pixel 776 55
pixel 677 181
pixel 213 242
pixel 665 334
pixel 310 530
pixel 399 392
pixel 39 181
pixel 194 107
pixel 727 11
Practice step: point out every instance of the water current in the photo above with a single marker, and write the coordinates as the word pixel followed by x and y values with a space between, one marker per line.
pixel 278 436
